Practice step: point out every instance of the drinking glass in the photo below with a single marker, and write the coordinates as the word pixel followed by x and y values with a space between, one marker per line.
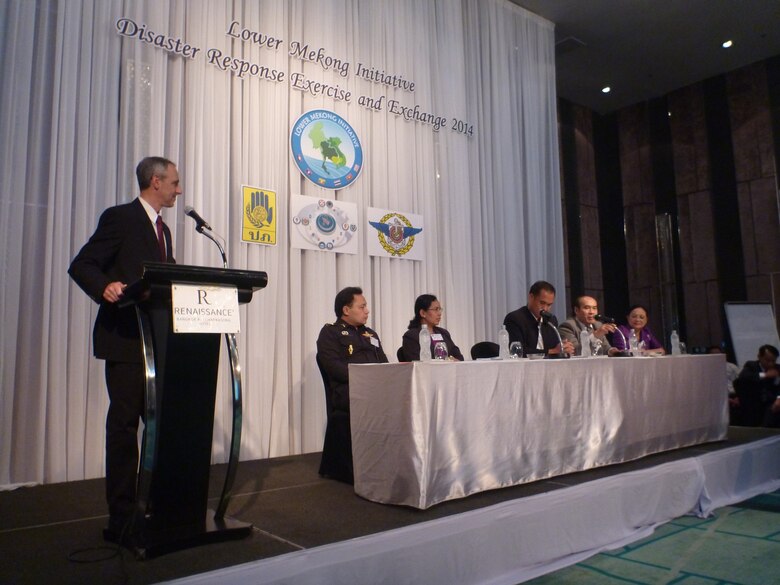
pixel 596 346
pixel 440 351
pixel 515 350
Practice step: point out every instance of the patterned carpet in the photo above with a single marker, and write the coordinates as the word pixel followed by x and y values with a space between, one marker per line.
pixel 739 545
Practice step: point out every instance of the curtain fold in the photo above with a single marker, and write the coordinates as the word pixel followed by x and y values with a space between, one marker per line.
pixel 81 105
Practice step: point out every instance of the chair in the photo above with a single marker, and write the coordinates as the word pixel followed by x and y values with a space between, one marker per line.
pixel 400 355
pixel 336 461
pixel 484 349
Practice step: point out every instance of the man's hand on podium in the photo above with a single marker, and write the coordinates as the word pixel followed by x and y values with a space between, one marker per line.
pixel 114 291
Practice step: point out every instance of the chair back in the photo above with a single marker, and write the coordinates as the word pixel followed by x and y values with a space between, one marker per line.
pixel 400 355
pixel 484 349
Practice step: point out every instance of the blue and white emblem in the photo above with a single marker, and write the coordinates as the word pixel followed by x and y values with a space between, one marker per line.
pixel 326 149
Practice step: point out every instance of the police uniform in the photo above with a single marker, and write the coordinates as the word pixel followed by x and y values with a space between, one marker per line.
pixel 339 345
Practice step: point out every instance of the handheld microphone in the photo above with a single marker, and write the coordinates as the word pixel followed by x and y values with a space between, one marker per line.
pixel 604 319
pixel 200 223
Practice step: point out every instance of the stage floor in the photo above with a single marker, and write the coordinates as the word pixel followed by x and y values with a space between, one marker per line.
pixel 291 507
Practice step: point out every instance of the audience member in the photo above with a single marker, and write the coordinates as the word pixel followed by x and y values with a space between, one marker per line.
pixel 758 389
pixel 732 372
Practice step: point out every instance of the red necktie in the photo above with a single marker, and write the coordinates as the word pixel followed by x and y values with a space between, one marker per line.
pixel 161 239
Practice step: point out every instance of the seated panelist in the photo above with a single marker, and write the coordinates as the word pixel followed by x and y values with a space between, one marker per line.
pixel 347 341
pixel 427 313
pixel 585 310
pixel 528 326
pixel 637 322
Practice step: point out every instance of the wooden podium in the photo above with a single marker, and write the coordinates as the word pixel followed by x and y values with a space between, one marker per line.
pixel 181 378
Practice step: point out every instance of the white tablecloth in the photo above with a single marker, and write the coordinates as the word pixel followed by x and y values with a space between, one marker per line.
pixel 426 432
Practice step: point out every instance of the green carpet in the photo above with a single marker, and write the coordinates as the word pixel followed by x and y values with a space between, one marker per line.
pixel 739 545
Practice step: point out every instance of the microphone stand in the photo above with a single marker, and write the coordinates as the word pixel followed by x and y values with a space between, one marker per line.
pixel 201 230
pixel 235 376
pixel 627 351
pixel 555 356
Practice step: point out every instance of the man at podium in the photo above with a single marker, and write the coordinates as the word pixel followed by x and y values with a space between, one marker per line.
pixel 126 236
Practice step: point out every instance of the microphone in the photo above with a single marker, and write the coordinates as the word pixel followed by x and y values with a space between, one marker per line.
pixel 605 319
pixel 200 223
pixel 547 320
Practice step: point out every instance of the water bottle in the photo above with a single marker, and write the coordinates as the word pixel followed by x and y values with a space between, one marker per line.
pixel 425 344
pixel 633 343
pixel 503 343
pixel 585 343
pixel 675 339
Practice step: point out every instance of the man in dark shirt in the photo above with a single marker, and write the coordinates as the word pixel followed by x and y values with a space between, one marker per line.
pixel 526 325
pixel 758 389
pixel 347 341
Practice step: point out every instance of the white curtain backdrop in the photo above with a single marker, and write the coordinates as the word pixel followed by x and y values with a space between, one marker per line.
pixel 80 106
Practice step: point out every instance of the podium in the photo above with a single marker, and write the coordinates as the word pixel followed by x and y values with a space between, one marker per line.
pixel 181 378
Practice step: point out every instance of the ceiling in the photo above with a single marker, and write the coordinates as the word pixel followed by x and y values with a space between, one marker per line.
pixel 646 48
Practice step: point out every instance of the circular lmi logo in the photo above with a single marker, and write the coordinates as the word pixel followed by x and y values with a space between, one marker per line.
pixel 326 149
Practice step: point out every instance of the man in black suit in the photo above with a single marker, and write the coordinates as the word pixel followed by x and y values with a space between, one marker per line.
pixel 525 324
pixel 758 389
pixel 126 236
pixel 347 341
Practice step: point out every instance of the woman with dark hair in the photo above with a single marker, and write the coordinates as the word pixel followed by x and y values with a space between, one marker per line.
pixel 427 313
pixel 637 323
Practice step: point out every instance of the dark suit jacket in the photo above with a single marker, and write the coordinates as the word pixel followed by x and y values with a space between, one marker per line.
pixel 756 395
pixel 123 240
pixel 752 371
pixel 410 343
pixel 523 327
pixel 339 345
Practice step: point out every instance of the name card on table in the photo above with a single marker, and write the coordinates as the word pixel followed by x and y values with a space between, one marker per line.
pixel 204 309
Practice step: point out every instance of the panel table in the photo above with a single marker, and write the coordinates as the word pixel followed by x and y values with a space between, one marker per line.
pixel 426 432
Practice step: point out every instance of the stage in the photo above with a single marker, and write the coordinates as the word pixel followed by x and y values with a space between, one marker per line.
pixel 312 530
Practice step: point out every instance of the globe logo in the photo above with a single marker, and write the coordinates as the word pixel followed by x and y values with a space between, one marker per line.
pixel 326 149
pixel 326 223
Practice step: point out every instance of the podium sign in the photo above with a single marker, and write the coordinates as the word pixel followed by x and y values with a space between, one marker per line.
pixel 204 309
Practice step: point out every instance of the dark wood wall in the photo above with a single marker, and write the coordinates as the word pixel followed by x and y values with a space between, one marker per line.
pixel 673 203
